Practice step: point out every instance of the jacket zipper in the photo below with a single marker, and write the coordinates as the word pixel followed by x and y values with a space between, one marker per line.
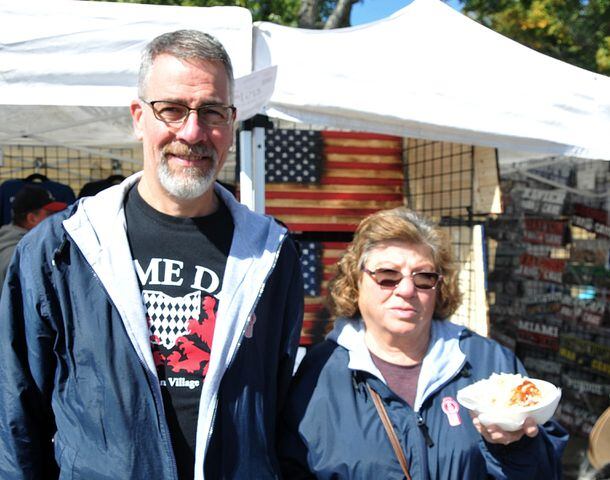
pixel 421 423
pixel 425 440
pixel 241 337
pixel 424 430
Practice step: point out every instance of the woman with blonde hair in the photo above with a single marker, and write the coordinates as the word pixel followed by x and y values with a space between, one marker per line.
pixel 377 398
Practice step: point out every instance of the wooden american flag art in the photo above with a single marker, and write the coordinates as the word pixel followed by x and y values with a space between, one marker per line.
pixel 327 182
pixel 337 179
pixel 319 260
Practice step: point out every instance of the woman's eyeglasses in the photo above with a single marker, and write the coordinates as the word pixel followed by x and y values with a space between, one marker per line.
pixel 388 278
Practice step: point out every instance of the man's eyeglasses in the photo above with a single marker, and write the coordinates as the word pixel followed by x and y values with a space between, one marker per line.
pixel 388 278
pixel 176 113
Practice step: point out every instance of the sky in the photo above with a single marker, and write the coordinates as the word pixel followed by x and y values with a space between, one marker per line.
pixel 367 11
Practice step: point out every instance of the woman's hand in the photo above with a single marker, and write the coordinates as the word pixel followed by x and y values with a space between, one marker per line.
pixel 494 434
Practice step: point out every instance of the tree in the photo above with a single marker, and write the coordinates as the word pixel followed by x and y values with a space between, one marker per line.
pixel 301 13
pixel 325 14
pixel 575 31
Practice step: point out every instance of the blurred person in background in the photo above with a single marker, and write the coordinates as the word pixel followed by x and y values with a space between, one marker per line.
pixel 393 354
pixel 31 205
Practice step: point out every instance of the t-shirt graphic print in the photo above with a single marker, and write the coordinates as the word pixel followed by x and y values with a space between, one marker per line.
pixel 181 333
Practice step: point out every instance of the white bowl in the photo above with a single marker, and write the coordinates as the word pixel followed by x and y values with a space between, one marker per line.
pixel 475 397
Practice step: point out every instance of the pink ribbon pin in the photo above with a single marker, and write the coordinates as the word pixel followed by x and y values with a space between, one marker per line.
pixel 451 408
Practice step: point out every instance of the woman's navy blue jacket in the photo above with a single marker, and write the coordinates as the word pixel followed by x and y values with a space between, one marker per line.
pixel 330 428
pixel 79 395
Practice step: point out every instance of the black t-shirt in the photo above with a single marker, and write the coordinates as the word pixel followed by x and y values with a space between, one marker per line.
pixel 180 263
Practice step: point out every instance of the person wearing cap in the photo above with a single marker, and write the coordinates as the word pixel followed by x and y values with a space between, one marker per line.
pixel 31 205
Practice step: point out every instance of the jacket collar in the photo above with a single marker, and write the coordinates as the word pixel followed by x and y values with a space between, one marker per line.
pixel 349 334
pixel 98 229
pixel 443 359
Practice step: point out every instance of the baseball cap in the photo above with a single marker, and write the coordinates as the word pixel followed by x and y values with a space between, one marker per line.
pixel 33 197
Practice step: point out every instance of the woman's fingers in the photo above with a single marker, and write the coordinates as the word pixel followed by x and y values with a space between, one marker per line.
pixel 495 434
pixel 530 427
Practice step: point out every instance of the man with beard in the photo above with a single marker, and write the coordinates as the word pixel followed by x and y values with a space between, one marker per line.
pixel 150 331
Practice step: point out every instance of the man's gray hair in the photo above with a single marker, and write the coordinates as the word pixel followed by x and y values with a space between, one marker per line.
pixel 185 45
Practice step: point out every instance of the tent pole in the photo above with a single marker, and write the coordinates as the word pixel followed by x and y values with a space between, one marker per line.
pixel 258 140
pixel 246 187
pixel 252 162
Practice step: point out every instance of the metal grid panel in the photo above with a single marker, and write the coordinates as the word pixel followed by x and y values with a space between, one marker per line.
pixel 440 178
pixel 77 166
pixel 439 182
pixel 73 167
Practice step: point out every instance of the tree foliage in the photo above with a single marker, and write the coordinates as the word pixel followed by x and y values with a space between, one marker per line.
pixel 575 31
pixel 325 13
pixel 301 13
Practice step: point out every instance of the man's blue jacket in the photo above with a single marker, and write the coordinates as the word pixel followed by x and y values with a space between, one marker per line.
pixel 79 396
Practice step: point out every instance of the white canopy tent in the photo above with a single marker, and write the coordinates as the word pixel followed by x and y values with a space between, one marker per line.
pixel 68 70
pixel 430 72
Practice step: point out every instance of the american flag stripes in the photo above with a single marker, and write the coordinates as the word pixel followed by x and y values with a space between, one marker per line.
pixel 361 174
pixel 316 321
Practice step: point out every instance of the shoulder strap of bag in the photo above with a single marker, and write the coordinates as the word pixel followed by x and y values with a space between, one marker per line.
pixel 390 431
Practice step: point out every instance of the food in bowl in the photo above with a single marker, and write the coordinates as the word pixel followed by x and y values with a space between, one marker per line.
pixel 525 394
pixel 507 399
